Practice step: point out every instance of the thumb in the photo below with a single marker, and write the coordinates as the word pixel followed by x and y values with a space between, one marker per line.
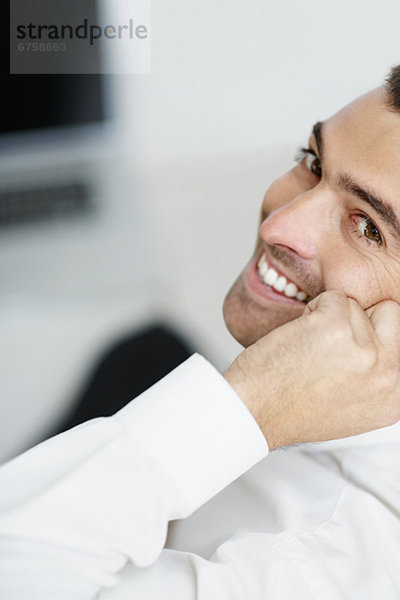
pixel 331 301
pixel 385 319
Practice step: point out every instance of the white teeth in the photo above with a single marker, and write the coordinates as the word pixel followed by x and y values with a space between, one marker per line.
pixel 268 275
pixel 263 269
pixel 271 276
pixel 279 283
pixel 291 290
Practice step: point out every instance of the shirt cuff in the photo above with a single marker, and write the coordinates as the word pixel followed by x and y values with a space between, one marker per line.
pixel 197 429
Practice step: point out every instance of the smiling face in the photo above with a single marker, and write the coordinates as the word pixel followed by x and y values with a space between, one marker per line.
pixel 329 223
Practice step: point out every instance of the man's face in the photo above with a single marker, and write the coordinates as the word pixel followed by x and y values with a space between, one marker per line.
pixel 329 223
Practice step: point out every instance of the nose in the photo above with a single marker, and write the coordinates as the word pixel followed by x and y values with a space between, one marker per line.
pixel 298 225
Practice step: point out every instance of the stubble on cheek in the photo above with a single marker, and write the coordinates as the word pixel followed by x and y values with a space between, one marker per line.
pixel 246 320
pixel 236 309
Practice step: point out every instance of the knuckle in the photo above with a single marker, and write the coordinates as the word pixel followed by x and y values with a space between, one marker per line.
pixel 392 305
pixel 391 375
pixel 386 377
pixel 335 294
pixel 391 311
pixel 368 357
pixel 339 329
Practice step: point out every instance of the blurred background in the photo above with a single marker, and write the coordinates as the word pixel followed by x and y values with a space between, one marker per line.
pixel 129 203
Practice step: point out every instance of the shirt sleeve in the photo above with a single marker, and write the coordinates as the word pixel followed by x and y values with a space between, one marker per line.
pixel 79 507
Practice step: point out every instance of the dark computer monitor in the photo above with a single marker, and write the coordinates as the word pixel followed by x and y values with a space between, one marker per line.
pixel 46 102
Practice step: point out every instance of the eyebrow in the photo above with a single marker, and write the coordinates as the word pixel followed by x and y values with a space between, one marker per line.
pixel 348 184
pixel 383 209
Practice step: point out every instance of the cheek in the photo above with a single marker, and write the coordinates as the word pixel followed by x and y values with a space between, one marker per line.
pixel 367 281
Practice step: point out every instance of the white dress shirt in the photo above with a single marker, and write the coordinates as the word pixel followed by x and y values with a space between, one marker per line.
pixel 85 514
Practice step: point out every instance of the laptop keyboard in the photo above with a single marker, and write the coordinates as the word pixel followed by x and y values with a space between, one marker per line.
pixel 44 203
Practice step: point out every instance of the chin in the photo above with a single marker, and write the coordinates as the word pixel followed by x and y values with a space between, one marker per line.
pixel 246 320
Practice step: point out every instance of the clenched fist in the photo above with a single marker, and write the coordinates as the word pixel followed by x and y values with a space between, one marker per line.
pixel 331 373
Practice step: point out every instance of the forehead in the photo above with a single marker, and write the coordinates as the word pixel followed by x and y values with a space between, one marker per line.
pixel 364 139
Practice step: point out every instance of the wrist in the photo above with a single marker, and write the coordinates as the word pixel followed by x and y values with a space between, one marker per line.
pixel 261 410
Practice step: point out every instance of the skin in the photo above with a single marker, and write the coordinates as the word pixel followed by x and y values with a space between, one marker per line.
pixel 332 373
pixel 322 236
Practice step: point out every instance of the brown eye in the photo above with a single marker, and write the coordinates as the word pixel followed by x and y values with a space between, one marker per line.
pixel 367 230
pixel 315 167
pixel 372 233
pixel 311 161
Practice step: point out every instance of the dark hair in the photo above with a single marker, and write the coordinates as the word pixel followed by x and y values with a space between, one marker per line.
pixel 392 87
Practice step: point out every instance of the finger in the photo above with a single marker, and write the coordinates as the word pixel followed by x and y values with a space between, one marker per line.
pixel 385 319
pixel 337 305
pixel 332 301
pixel 363 331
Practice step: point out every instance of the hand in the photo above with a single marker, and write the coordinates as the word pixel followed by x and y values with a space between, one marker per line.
pixel 331 373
